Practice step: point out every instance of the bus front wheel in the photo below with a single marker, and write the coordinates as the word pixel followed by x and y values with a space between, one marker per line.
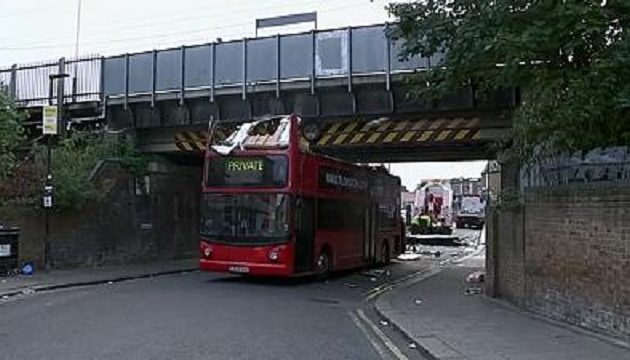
pixel 323 264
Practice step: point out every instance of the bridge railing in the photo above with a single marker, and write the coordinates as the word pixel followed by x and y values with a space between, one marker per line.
pixel 347 52
pixel 282 58
pixel 31 86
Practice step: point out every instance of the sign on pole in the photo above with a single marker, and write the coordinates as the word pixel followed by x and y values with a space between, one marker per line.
pixel 49 120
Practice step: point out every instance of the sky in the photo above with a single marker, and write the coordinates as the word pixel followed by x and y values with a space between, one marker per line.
pixel 40 30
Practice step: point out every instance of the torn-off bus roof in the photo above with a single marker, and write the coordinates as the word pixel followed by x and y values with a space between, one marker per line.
pixel 265 133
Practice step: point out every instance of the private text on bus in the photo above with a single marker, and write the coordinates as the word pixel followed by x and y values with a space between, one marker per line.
pixel 271 207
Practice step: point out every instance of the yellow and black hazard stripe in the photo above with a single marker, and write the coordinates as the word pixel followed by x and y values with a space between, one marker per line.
pixel 191 141
pixel 400 132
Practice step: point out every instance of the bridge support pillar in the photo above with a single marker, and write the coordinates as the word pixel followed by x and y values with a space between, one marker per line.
pixel 505 241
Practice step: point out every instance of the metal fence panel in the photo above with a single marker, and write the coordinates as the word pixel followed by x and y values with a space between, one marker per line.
pixel 140 73
pixel 261 59
pixel 369 49
pixel 229 63
pixel 296 56
pixel 169 70
pixel 84 81
pixel 415 62
pixel 32 84
pixel 5 80
pixel 332 56
pixel 198 66
pixel 114 75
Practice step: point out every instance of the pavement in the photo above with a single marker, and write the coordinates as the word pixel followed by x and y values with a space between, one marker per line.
pixel 435 312
pixel 58 279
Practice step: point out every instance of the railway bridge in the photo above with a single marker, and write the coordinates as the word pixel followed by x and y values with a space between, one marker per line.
pixel 349 84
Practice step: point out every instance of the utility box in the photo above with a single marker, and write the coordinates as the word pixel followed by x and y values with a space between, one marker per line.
pixel 9 250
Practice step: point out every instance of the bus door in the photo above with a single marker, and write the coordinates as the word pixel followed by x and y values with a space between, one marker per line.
pixel 305 234
pixel 369 240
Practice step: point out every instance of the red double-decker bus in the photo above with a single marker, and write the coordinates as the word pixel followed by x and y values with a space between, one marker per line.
pixel 271 207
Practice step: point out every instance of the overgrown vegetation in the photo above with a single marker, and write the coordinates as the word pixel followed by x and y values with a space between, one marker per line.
pixel 73 161
pixel 11 134
pixel 570 59
pixel 76 157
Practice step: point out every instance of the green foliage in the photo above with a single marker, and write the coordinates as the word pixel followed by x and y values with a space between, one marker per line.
pixel 11 134
pixel 76 157
pixel 571 60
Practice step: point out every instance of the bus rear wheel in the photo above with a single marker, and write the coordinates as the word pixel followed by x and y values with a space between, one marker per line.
pixel 323 265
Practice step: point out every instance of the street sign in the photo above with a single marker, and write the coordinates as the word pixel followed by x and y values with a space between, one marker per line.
pixel 49 120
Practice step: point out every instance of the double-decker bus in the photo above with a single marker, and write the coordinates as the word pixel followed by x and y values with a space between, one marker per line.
pixel 269 206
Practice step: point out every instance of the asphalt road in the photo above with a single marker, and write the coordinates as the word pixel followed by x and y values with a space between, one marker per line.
pixel 202 316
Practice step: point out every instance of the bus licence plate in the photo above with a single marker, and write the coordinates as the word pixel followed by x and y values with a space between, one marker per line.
pixel 239 269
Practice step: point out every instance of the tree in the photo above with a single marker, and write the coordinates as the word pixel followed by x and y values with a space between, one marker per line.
pixel 570 59
pixel 11 134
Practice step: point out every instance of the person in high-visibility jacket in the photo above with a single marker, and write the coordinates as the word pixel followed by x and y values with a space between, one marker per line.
pixel 424 223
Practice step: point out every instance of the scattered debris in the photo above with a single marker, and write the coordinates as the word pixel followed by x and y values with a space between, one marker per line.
pixel 373 279
pixel 4 297
pixel 476 277
pixel 110 282
pixel 373 273
pixel 413 346
pixel 350 285
pixel 417 302
pixel 409 257
pixel 384 323
pixel 28 291
pixel 473 290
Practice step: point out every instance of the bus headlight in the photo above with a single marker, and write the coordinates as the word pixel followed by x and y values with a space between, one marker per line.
pixel 274 255
pixel 206 249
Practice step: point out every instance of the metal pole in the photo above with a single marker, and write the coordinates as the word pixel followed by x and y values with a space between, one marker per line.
pixel 46 208
pixel 78 31
pixel 48 187
pixel 61 75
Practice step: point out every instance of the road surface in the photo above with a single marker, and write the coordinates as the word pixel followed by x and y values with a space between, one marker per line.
pixel 204 316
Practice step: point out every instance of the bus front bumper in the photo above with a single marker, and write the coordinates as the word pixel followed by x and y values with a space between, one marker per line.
pixel 259 269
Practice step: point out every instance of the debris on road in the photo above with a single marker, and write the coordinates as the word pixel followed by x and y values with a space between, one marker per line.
pixel 350 285
pixel 409 257
pixel 384 323
pixel 373 273
pixel 4 297
pixel 417 302
pixel 473 291
pixel 413 346
pixel 476 277
pixel 28 291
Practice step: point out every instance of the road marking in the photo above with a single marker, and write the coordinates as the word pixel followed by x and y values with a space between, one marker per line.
pixel 381 335
pixel 377 291
pixel 369 337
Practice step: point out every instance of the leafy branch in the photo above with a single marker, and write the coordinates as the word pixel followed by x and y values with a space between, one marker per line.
pixel 570 59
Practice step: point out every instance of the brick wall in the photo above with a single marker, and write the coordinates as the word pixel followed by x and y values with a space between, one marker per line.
pixel 577 256
pixel 565 254
pixel 124 225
